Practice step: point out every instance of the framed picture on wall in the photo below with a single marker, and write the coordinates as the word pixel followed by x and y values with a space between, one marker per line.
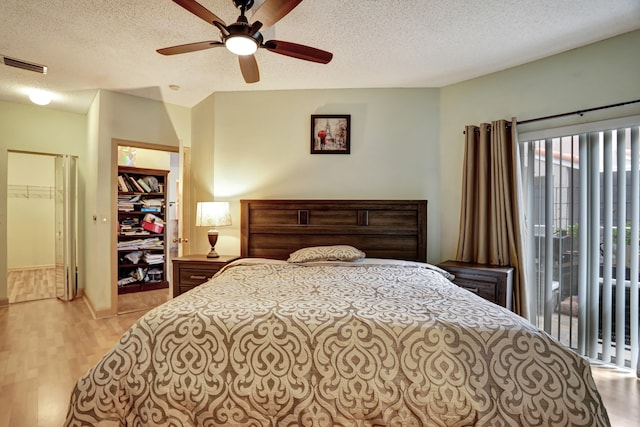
pixel 330 134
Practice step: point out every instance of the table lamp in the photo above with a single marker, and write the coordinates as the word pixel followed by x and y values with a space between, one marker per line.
pixel 212 214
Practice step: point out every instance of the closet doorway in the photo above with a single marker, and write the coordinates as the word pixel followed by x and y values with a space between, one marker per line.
pixel 41 226
pixel 156 157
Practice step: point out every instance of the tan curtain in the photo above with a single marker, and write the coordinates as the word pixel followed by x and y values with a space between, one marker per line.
pixel 492 215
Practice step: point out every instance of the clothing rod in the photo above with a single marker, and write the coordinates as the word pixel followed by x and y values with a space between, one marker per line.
pixel 577 112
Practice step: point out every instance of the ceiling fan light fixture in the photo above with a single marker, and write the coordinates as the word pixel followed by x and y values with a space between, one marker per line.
pixel 241 44
pixel 244 39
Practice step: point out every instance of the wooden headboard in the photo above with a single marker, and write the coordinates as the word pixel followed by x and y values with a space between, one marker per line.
pixel 381 228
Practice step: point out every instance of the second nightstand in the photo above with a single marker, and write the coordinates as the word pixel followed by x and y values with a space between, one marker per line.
pixel 491 282
pixel 193 270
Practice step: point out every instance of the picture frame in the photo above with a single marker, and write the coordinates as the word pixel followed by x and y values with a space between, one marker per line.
pixel 330 134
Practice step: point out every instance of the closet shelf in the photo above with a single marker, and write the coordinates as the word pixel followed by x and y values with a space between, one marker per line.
pixel 139 190
pixel 30 192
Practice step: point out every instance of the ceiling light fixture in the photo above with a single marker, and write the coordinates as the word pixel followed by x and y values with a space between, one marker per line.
pixel 40 97
pixel 241 44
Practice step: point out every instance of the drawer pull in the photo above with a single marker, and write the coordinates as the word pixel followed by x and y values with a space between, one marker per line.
pixel 474 290
pixel 198 277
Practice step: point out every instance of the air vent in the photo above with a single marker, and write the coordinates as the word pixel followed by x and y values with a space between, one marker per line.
pixel 12 62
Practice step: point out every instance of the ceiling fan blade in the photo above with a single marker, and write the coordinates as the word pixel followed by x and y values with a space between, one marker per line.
pixel 299 51
pixel 190 47
pixel 249 68
pixel 271 11
pixel 223 29
pixel 199 10
pixel 255 27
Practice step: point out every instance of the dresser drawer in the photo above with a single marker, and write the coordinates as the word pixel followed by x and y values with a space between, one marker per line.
pixel 196 276
pixel 493 283
pixel 486 290
pixel 193 270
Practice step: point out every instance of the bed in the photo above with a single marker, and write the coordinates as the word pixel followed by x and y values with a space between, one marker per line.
pixel 303 331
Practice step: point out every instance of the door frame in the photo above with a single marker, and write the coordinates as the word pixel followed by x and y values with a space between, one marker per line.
pixel 5 301
pixel 184 202
pixel 115 143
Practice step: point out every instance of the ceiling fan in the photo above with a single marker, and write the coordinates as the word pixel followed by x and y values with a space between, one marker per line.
pixel 244 39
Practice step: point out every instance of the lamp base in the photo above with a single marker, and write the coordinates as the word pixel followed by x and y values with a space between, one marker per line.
pixel 213 239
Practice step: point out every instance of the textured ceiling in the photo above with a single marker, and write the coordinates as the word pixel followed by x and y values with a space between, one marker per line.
pixel 110 44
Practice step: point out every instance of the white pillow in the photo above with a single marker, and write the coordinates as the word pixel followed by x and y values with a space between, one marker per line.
pixel 326 253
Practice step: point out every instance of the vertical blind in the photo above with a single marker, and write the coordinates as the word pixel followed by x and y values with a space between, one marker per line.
pixel 582 187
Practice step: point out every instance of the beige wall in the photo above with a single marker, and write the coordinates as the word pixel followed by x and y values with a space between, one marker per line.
pixel 257 145
pixel 124 117
pixel 600 74
pixel 406 143
pixel 144 158
pixel 30 211
pixel 89 137
pixel 39 130
pixel 202 137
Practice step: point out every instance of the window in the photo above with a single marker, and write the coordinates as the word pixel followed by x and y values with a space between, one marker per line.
pixel 582 192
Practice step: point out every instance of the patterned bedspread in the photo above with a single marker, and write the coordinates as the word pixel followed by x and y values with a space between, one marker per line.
pixel 350 344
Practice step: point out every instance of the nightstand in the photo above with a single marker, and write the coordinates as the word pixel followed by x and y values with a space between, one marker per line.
pixel 193 270
pixel 491 282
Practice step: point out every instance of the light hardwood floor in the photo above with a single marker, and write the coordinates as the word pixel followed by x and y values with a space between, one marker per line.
pixel 46 345
pixel 40 283
pixel 137 301
pixel 31 284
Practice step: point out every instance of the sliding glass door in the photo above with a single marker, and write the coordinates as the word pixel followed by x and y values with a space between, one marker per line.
pixel 583 201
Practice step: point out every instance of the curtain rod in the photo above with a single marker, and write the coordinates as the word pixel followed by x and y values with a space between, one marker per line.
pixel 578 112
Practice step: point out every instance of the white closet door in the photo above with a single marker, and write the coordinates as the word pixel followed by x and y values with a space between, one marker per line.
pixel 66 189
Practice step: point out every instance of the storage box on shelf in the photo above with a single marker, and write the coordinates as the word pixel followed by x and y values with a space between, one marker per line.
pixel 142 248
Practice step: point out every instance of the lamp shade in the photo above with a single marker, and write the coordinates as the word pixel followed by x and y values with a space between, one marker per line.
pixel 212 214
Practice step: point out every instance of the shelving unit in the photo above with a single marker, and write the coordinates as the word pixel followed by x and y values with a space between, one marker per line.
pixel 142 249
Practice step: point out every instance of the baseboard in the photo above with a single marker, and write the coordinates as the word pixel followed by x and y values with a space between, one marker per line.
pixel 4 301
pixel 97 314
pixel 31 267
